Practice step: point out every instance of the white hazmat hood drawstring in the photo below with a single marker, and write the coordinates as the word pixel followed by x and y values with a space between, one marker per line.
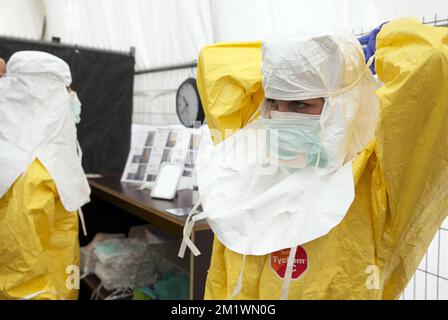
pixel 188 229
pixel 39 293
pixel 288 274
pixel 239 282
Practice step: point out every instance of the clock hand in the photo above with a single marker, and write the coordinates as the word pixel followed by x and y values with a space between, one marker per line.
pixel 186 102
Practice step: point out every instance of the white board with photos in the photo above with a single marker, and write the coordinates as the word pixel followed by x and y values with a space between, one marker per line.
pixel 152 146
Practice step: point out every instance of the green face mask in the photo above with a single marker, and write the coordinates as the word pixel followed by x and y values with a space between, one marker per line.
pixel 294 138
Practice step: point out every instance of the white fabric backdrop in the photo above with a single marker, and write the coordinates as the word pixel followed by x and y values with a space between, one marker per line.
pixel 236 20
pixel 165 32
pixel 21 18
pixel 173 31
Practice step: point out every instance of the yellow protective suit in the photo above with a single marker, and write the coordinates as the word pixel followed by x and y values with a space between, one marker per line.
pixel 401 177
pixel 38 240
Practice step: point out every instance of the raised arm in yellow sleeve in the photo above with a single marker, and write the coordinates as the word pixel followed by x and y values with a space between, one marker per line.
pixel 229 83
pixel 412 142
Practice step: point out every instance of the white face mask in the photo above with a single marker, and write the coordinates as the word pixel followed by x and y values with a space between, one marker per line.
pixel 75 107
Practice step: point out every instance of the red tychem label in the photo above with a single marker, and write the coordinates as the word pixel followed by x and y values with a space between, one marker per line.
pixel 279 260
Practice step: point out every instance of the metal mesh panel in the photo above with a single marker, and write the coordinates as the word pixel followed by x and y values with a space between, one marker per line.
pixel 430 282
pixel 155 96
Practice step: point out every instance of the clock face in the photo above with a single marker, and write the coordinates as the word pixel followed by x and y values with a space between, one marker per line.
pixel 188 103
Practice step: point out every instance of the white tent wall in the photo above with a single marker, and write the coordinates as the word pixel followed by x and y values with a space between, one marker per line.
pixel 236 20
pixel 165 33
pixel 22 18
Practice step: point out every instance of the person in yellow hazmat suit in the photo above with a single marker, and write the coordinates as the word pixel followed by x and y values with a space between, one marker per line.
pixel 42 183
pixel 342 192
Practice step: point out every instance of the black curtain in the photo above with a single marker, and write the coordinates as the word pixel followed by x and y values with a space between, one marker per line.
pixel 104 82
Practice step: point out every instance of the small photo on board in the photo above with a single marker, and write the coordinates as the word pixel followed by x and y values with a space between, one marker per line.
pixel 137 159
pixel 195 141
pixel 139 175
pixel 131 176
pixel 151 178
pixel 166 157
pixel 187 173
pixel 172 138
pixel 141 172
pixel 146 155
pixel 150 139
pixel 190 161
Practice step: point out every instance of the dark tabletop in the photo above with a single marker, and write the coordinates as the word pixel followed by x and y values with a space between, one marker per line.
pixel 139 202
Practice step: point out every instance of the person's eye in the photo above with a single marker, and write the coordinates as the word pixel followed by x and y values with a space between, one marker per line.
pixel 273 104
pixel 298 106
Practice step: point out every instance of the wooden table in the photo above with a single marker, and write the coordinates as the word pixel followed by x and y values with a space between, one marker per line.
pixel 140 204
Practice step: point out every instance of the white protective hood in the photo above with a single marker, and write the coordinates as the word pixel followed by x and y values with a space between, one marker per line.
pixel 254 211
pixel 331 66
pixel 36 123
